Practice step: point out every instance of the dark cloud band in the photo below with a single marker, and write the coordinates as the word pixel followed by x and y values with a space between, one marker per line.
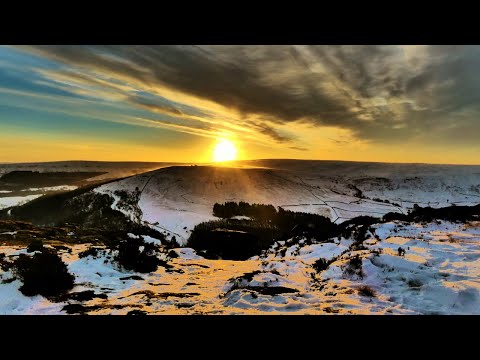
pixel 380 93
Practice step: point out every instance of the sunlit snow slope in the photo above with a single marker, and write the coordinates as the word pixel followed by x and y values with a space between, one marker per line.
pixel 175 199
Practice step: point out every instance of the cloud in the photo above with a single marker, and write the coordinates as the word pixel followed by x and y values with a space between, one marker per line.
pixel 155 107
pixel 299 148
pixel 380 93
pixel 269 131
pixel 339 142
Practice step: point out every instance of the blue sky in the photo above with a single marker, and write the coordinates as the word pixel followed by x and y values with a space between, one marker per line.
pixel 31 105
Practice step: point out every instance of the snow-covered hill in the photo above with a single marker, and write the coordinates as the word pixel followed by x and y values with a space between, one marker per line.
pixel 437 272
pixel 175 199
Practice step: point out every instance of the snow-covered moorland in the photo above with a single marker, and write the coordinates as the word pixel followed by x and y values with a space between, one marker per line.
pixel 175 199
pixel 402 264
pixel 439 274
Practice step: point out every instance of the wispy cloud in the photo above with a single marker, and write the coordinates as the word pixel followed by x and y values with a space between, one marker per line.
pixel 299 148
pixel 382 94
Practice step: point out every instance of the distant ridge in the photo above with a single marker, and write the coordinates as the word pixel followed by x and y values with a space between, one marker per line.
pixel 230 162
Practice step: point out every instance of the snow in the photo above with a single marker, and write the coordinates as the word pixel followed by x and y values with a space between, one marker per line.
pixel 238 217
pixel 150 240
pixel 173 203
pixel 53 188
pixel 9 233
pixel 437 275
pixel 187 254
pixel 6 202
pixel 328 251
pixel 5 192
pixel 97 271
pixel 13 302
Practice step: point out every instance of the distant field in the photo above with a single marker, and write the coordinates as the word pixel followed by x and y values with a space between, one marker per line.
pixel 24 179
pixel 21 183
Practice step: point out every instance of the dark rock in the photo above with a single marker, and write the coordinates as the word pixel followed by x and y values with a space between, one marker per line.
pixel 137 312
pixel 172 254
pixel 86 295
pixel 63 248
pixel 91 251
pixel 133 277
pixel 184 305
pixel 35 245
pixel 75 309
pixel 271 290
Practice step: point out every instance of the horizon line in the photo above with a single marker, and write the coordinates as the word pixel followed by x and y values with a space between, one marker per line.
pixel 233 161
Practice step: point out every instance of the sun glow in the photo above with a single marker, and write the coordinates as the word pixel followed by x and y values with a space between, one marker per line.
pixel 224 150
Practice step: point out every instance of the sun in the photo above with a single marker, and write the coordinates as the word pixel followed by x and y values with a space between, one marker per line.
pixel 224 150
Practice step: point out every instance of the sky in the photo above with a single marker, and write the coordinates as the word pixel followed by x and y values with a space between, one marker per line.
pixel 174 103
